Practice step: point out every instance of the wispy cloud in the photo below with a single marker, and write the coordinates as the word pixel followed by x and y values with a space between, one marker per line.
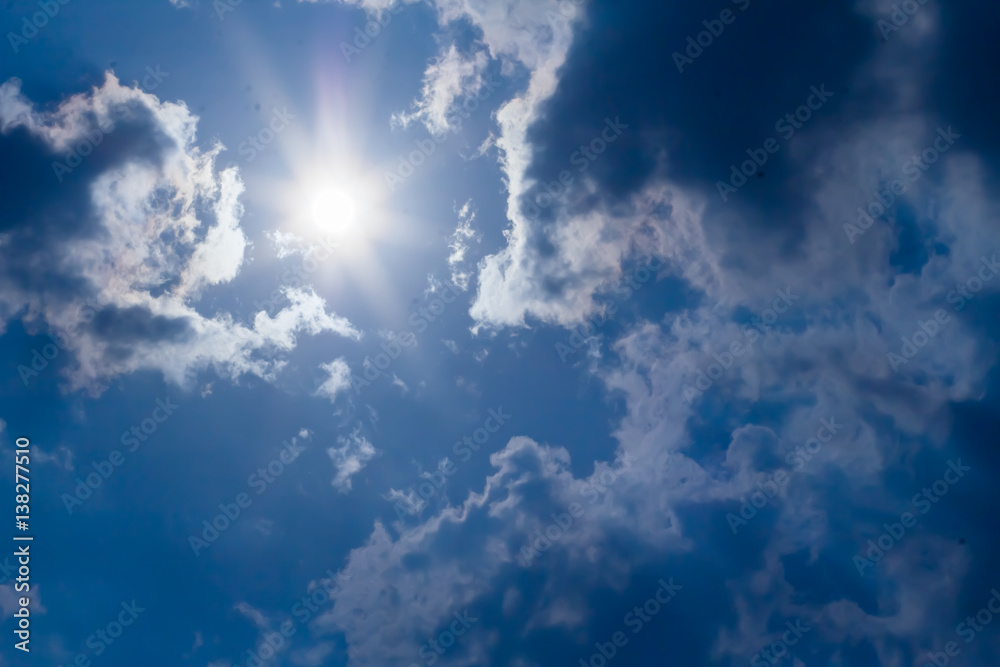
pixel 350 458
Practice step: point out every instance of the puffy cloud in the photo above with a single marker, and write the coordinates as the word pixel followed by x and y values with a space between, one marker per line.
pixel 120 221
pixel 306 312
pixel 338 378
pixel 559 287
pixel 399 592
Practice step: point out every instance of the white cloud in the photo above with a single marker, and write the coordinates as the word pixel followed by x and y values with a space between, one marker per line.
pixel 62 458
pixel 350 458
pixel 164 227
pixel 338 379
pixel 315 656
pixel 218 258
pixel 10 601
pixel 307 312
pixel 535 35
pixel 372 6
pixel 451 78
pixel 255 615
pixel 491 526
pixel 459 246
pixel 662 221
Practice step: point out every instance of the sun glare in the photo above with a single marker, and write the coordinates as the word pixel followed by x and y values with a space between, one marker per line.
pixel 332 210
pixel 329 206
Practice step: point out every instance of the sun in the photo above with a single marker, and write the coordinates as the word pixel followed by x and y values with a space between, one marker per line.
pixel 325 206
pixel 331 211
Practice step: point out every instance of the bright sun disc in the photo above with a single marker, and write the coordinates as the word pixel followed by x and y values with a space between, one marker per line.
pixel 332 210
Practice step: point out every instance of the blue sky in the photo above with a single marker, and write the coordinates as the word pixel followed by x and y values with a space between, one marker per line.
pixel 501 332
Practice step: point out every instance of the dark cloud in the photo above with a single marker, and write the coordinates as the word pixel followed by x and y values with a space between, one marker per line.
pixel 112 206
pixel 47 210
pixel 691 126
pixel 138 324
